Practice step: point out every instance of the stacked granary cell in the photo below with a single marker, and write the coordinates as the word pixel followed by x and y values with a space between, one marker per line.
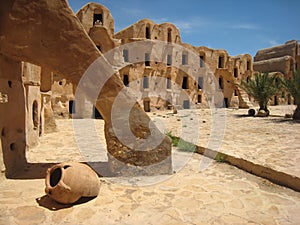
pixel 280 60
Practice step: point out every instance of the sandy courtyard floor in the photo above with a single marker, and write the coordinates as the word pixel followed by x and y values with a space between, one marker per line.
pixel 218 194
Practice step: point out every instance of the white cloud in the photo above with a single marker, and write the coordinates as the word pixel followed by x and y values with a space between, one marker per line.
pixel 245 26
pixel 273 42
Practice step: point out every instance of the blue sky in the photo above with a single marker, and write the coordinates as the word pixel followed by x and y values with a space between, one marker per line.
pixel 236 26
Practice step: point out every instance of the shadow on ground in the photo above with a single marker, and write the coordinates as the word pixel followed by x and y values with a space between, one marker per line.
pixel 48 203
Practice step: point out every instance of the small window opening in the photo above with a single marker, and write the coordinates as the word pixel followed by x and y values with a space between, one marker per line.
pixel 184 59
pixel 185 82
pixel 235 93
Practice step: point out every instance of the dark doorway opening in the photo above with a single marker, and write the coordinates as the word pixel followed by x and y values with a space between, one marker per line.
pixel 199 100
pixel 146 105
pixel 169 60
pixel 147 59
pixel 275 100
pixel 185 84
pixel 221 83
pixel 248 65
pixel 221 62
pixel 226 103
pixel 201 60
pixel 96 113
pixel 146 82
pixel 169 35
pixel 148 32
pixel 200 82
pixel 126 80
pixel 235 72
pixel 35 118
pixel 72 107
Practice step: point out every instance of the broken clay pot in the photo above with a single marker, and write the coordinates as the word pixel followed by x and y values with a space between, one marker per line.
pixel 67 182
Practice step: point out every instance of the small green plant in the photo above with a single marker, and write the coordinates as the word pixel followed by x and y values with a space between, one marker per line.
pixel 220 157
pixel 173 138
pixel 180 143
pixel 293 86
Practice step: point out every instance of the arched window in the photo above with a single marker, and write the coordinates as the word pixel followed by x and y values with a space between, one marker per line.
pixel 98 18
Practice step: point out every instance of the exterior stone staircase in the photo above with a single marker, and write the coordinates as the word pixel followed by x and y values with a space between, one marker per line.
pixel 244 101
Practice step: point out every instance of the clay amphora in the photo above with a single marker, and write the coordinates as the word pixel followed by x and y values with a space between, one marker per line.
pixel 69 181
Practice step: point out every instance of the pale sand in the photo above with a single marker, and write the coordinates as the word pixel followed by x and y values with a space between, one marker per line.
pixel 220 194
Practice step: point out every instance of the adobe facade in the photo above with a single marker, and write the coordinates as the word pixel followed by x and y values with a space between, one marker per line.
pixel 184 68
pixel 279 60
